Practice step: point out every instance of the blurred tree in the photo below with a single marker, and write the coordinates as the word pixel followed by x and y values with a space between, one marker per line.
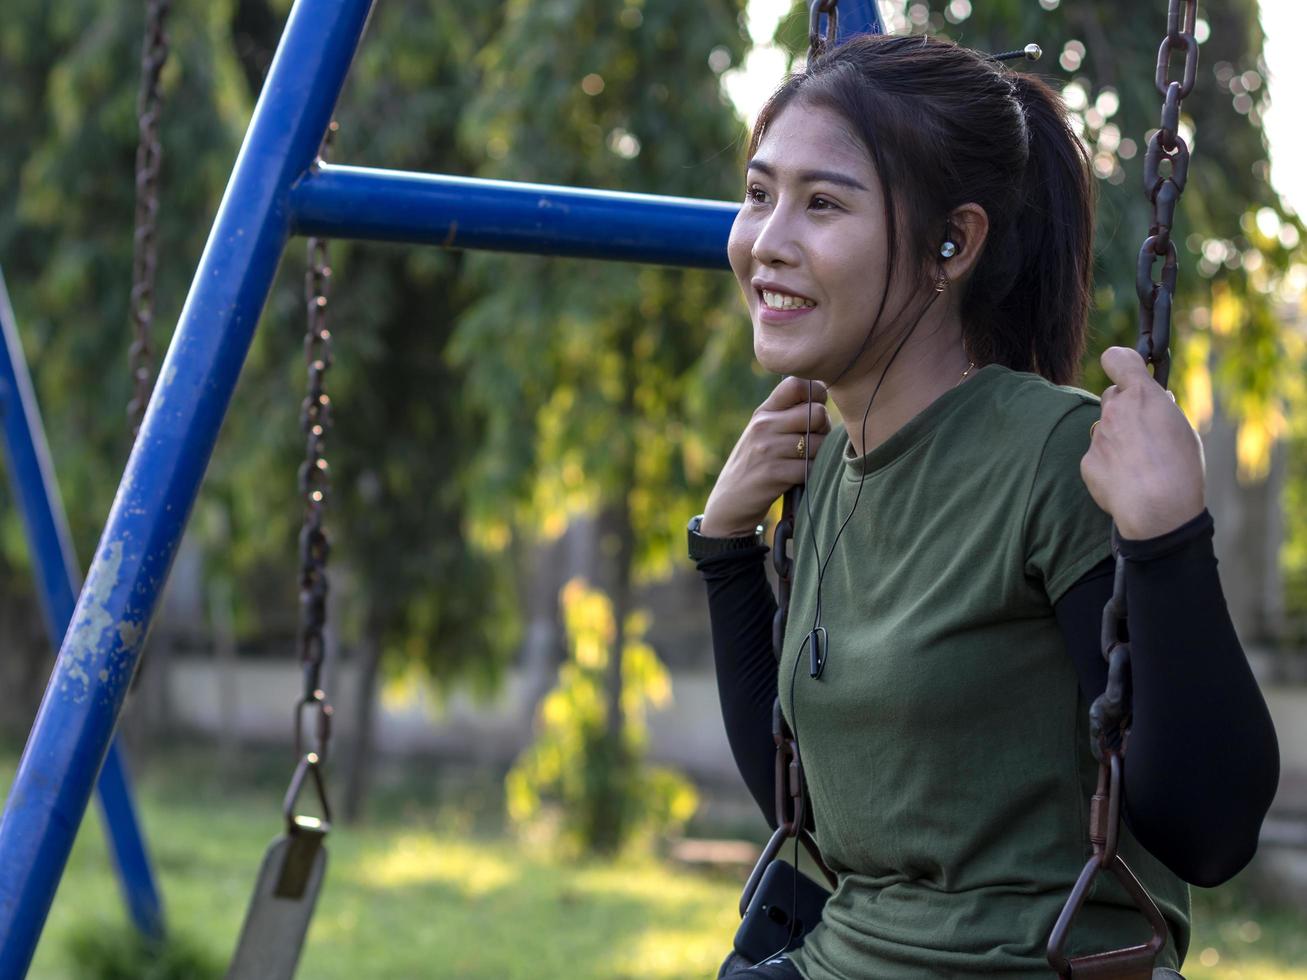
pixel 66 208
pixel 561 783
pixel 66 215
pixel 573 383
pixel 606 387
pixel 66 200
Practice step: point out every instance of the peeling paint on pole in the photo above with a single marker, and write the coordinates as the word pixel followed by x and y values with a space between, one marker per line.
pixel 91 621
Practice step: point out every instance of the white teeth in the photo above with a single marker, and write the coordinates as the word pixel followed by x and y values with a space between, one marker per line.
pixel 784 301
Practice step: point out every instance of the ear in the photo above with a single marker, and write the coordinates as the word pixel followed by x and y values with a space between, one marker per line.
pixel 968 226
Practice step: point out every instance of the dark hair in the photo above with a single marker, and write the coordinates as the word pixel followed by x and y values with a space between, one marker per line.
pixel 945 126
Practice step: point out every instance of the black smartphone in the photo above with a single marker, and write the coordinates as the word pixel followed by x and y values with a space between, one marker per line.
pixel 784 909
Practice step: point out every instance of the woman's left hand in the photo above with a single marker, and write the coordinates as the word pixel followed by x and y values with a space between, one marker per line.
pixel 1145 462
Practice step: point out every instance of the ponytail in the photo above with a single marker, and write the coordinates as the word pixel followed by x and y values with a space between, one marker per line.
pixel 1030 293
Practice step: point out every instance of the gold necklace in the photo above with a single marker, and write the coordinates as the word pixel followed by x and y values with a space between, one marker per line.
pixel 964 374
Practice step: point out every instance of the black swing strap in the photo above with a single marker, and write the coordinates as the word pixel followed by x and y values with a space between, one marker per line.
pixel 791 802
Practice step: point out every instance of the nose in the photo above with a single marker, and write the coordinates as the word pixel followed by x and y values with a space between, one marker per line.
pixel 775 243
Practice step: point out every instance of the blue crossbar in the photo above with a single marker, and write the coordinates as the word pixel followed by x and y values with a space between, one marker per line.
pixel 274 191
pixel 503 216
pixel 31 476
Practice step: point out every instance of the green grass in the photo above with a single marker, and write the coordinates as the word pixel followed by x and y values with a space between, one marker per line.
pixel 1239 937
pixel 431 887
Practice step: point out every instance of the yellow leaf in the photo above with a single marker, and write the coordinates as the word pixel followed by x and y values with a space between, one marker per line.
pixel 1256 438
pixel 1195 388
pixel 1227 310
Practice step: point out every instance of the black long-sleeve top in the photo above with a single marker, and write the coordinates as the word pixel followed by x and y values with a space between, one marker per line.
pixel 1203 762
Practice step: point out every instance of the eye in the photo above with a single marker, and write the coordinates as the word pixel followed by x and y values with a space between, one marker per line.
pixel 829 205
pixel 751 193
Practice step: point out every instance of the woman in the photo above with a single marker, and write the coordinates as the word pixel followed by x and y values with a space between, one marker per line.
pixel 915 240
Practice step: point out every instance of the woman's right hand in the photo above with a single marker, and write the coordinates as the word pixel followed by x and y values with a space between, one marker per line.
pixel 765 461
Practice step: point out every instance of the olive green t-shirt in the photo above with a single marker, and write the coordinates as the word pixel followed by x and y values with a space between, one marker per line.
pixel 945 744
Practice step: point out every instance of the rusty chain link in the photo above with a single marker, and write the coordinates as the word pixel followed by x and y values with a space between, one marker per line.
pixel 145 250
pixel 1164 190
pixel 312 709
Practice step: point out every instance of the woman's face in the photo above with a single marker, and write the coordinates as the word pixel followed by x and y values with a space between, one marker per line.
pixel 809 245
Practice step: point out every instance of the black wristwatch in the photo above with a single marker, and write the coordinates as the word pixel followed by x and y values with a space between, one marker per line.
pixel 701 547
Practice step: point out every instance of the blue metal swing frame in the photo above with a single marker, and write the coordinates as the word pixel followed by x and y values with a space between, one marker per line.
pixel 276 190
pixel 50 549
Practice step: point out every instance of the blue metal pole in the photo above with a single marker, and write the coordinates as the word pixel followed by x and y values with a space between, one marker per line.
pixel 50 546
pixel 858 17
pixel 131 857
pixel 31 475
pixel 462 212
pixel 541 219
pixel 102 647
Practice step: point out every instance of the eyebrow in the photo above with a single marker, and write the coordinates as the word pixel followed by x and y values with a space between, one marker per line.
pixel 810 176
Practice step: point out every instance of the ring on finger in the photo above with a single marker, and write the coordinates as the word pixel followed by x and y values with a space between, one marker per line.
pixel 1092 428
pixel 801 450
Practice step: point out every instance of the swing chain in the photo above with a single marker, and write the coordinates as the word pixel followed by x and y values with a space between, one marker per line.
pixel 149 156
pixel 1110 713
pixel 313 710
pixel 1165 145
pixel 819 43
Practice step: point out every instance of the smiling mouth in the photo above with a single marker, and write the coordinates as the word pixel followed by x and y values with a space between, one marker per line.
pixel 782 302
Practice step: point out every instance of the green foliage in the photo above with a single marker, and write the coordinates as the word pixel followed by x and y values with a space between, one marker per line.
pixel 604 388
pixel 428 884
pixel 405 436
pixel 595 790
pixel 125 955
pixel 601 383
pixel 66 202
pixel 1294 554
pixel 479 399
pixel 1242 931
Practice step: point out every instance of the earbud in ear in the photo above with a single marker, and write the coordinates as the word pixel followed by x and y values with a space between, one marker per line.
pixel 948 250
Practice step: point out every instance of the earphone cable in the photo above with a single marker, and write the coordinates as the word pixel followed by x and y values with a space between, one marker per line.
pixel 801 814
pixel 812 530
